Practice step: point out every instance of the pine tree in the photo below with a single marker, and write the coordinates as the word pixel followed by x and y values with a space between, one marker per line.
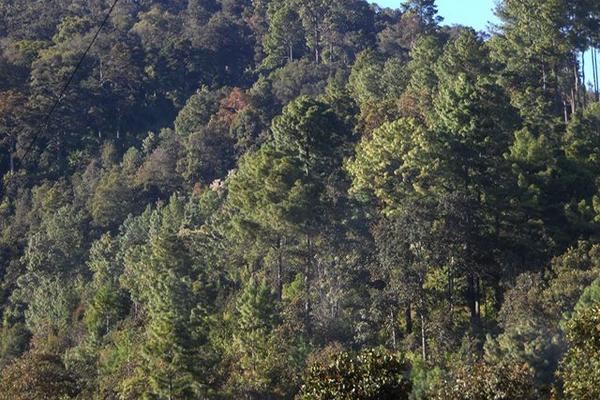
pixel 174 329
pixel 256 318
pixel 285 40
pixel 536 54
pixel 426 11
pixel 310 131
pixel 474 122
pixel 417 100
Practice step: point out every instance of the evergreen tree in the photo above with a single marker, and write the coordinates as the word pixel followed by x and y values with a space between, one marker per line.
pixel 174 330
pixel 222 193
pixel 579 369
pixel 425 10
pixel 533 47
pixel 256 318
pixel 285 40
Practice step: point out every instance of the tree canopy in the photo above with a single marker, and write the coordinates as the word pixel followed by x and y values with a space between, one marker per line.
pixel 298 199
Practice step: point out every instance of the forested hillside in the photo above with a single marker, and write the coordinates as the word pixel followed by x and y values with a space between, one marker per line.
pixel 298 199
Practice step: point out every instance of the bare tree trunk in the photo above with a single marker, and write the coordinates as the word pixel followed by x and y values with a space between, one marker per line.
pixel 423 339
pixel 279 284
pixel 307 281
pixel 473 299
pixel 451 287
pixel 478 298
pixel 393 326
pixel 596 77
pixel 575 91
pixel 544 79
pixel 317 42
pixel 12 155
pixel 593 59
pixel 593 78
pixel 573 102
pixel 583 86
pixel 408 319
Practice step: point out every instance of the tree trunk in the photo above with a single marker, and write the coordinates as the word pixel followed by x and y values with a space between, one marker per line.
pixel 583 86
pixel 543 75
pixel 393 326
pixel 408 319
pixel 473 300
pixel 575 91
pixel 423 339
pixel 596 77
pixel 317 41
pixel 593 57
pixel 12 155
pixel 307 281
pixel 478 298
pixel 593 88
pixel 451 287
pixel 279 284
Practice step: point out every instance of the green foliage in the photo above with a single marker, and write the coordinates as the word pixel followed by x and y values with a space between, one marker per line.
pixel 581 142
pixel 590 296
pixel 57 246
pixel 482 382
pixel 229 191
pixel 532 44
pixel 49 312
pixel 418 97
pixel 37 376
pixel 14 342
pixel 258 365
pixel 108 306
pixel 297 78
pixel 311 132
pixel 572 272
pixel 376 85
pixel 285 40
pixel 198 110
pixel 530 337
pixel 113 199
pixel 372 374
pixel 425 10
pixel 166 285
pixel 270 189
pixel 257 310
pixel 393 159
pixel 579 369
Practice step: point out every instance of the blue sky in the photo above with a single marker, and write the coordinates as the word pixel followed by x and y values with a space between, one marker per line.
pixel 475 13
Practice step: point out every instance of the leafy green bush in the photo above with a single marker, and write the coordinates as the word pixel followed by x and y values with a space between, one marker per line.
pixel 372 374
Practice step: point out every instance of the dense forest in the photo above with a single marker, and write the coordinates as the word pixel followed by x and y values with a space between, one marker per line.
pixel 298 199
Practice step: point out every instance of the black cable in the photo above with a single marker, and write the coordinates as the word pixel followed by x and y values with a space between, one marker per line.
pixel 69 81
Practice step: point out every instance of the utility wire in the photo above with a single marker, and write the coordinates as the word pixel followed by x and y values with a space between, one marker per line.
pixel 46 119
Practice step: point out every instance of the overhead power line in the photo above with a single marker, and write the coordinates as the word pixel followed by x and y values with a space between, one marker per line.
pixel 62 92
